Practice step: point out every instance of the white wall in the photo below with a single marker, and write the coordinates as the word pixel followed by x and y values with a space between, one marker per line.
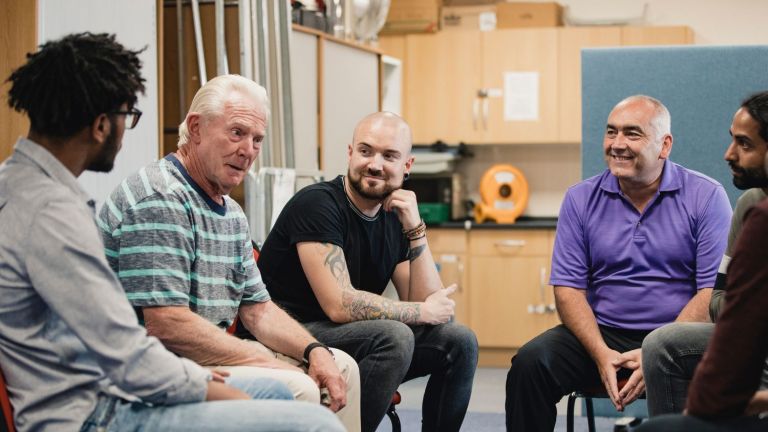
pixel 714 22
pixel 135 24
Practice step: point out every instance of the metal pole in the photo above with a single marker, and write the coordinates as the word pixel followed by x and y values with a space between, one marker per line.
pixel 222 64
pixel 199 42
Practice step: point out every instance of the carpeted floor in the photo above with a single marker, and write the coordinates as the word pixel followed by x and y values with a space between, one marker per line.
pixel 489 422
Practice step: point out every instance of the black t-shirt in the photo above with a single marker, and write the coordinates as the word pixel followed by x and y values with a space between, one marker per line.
pixel 372 246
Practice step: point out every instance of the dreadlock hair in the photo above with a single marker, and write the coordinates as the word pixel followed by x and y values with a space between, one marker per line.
pixel 69 82
pixel 757 106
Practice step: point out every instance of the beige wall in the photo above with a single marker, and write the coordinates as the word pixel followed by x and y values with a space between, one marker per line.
pixel 18 31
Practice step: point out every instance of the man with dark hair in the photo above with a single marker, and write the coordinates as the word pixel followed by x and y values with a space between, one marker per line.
pixel 333 250
pixel 637 247
pixel 73 354
pixel 671 353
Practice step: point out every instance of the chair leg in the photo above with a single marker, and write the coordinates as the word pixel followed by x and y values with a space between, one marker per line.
pixel 394 418
pixel 569 416
pixel 590 414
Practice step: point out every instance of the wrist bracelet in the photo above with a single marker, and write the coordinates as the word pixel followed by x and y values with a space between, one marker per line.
pixel 310 347
pixel 416 233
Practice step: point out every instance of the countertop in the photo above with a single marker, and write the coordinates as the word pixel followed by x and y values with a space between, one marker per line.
pixel 521 223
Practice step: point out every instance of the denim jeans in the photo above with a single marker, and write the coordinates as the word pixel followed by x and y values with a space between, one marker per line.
pixel 670 356
pixel 390 352
pixel 681 423
pixel 262 415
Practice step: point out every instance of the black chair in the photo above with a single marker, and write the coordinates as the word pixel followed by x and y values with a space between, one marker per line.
pixel 588 395
pixel 392 414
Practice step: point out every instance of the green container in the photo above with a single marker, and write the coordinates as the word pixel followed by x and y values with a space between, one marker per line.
pixel 435 212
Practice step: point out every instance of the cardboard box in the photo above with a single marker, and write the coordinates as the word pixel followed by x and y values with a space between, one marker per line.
pixel 518 14
pixel 468 17
pixel 412 16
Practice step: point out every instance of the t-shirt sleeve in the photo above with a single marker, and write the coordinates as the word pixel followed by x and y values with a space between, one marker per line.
pixel 153 251
pixel 254 291
pixel 314 216
pixel 711 238
pixel 570 264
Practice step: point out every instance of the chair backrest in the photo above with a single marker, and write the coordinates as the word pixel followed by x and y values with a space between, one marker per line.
pixel 5 403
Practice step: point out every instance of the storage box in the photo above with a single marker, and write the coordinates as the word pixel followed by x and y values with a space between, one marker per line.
pixel 481 17
pixel 412 16
pixel 509 15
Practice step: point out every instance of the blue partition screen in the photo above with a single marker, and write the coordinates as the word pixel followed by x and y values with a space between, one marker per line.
pixel 701 86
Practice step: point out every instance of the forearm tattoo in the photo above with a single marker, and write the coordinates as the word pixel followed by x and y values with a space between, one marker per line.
pixel 416 252
pixel 362 305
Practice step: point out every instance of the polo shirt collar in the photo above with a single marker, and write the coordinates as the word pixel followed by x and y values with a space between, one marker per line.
pixel 35 154
pixel 670 179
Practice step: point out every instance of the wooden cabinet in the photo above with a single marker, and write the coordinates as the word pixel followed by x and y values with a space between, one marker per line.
pixel 519 50
pixel 509 294
pixel 442 77
pixel 449 248
pixel 454 80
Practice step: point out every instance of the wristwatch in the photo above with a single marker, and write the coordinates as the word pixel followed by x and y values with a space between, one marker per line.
pixel 309 348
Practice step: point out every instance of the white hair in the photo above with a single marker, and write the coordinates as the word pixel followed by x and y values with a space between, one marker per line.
pixel 210 99
pixel 661 121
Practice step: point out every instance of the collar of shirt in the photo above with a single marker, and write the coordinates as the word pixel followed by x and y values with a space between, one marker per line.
pixel 32 153
pixel 670 179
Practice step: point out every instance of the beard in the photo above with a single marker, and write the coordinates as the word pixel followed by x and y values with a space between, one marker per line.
pixel 372 193
pixel 105 160
pixel 749 178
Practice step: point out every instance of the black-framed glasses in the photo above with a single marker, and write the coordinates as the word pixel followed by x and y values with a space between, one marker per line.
pixel 132 117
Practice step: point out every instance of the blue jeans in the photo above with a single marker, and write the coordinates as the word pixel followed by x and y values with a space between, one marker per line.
pixel 670 356
pixel 279 414
pixel 390 352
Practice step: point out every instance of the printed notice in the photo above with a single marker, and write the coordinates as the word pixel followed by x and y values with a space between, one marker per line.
pixel 521 96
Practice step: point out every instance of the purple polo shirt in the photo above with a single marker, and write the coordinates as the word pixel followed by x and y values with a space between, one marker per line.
pixel 641 269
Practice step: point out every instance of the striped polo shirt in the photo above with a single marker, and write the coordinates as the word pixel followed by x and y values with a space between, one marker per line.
pixel 171 244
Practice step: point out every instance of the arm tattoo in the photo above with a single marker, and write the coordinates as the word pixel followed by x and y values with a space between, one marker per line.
pixel 362 305
pixel 416 252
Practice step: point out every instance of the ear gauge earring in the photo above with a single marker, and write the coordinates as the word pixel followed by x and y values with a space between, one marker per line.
pixel 405 176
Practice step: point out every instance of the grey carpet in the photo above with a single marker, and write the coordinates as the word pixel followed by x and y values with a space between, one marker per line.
pixel 489 422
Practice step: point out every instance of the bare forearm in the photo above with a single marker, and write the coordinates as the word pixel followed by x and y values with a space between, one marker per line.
pixel 191 336
pixel 424 278
pixel 697 309
pixel 274 328
pixel 577 315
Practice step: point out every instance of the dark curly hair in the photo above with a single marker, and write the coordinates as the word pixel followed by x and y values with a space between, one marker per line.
pixel 69 82
pixel 757 106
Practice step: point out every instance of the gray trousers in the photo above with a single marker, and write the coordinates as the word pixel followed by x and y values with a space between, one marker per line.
pixel 670 356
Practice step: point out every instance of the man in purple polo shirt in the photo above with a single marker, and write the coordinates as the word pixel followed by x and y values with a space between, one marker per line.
pixel 637 247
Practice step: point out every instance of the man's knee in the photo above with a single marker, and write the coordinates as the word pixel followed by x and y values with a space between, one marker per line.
pixel 347 366
pixel 461 339
pixel 672 340
pixel 395 338
pixel 304 388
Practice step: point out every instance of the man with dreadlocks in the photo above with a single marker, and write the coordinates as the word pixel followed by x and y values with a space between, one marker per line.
pixel 72 351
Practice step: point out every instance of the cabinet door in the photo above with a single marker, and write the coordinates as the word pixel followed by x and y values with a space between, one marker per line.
pixel 669 35
pixel 520 50
pixel 451 268
pixel 571 41
pixel 508 298
pixel 442 78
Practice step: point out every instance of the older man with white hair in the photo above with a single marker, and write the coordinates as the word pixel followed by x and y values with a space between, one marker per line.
pixel 181 248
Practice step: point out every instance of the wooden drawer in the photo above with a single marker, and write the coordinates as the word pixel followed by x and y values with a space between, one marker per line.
pixel 447 240
pixel 510 243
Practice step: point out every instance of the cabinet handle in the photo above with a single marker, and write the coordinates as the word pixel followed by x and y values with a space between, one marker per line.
pixel 510 243
pixel 485 113
pixel 475 112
